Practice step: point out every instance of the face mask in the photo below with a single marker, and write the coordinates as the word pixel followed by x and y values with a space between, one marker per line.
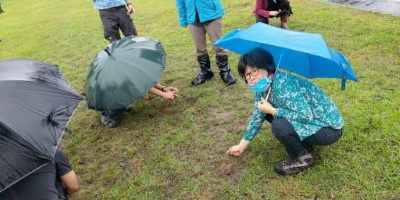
pixel 261 85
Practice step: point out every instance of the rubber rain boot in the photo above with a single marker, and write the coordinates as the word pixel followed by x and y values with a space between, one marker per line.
pixel 224 70
pixel 205 70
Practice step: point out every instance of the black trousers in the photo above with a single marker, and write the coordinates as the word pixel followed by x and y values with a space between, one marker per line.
pixel 285 133
pixel 114 19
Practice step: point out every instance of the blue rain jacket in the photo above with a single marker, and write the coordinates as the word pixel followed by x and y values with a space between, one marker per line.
pixel 207 10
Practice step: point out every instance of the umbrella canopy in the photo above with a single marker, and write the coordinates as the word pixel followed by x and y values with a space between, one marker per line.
pixel 36 103
pixel 303 53
pixel 123 72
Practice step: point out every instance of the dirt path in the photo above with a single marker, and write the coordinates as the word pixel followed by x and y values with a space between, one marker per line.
pixel 382 6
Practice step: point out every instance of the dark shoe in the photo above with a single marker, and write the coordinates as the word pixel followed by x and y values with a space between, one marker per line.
pixel 294 166
pixel 224 70
pixel 110 123
pixel 129 109
pixel 205 73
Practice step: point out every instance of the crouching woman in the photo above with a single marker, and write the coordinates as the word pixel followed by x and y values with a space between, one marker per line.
pixel 300 113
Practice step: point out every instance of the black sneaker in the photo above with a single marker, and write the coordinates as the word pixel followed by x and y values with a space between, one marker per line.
pixel 294 166
pixel 110 123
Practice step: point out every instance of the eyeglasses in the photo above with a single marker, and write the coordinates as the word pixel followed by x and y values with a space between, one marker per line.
pixel 254 72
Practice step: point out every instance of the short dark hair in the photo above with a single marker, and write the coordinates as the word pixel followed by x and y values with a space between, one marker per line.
pixel 256 58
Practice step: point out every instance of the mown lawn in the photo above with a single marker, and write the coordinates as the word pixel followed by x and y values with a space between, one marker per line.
pixel 181 154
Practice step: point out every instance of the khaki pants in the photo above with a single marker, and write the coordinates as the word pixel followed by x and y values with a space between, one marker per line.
pixel 214 30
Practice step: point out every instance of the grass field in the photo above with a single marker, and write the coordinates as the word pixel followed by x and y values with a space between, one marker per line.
pixel 181 154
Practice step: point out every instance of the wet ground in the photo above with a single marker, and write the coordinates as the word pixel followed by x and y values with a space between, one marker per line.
pixel 382 6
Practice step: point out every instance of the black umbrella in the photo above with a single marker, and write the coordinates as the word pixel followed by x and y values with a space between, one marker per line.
pixel 36 103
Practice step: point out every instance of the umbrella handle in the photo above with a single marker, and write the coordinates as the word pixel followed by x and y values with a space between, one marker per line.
pixel 344 76
pixel 166 105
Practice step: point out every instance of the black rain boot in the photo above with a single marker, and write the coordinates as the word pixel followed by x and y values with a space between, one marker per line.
pixel 224 70
pixel 205 73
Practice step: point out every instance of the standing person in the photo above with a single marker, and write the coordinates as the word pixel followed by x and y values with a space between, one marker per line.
pixel 205 17
pixel 56 180
pixel 273 8
pixel 115 15
pixel 301 114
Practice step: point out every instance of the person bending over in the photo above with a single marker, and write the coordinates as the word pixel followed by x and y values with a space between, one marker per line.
pixel 266 9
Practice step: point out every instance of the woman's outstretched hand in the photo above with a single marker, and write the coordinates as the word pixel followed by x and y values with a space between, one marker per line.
pixel 237 150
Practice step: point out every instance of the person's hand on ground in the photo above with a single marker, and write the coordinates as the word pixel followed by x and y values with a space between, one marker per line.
pixel 169 95
pixel 170 88
pixel 237 150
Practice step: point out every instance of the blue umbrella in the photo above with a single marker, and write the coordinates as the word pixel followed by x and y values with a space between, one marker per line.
pixel 303 53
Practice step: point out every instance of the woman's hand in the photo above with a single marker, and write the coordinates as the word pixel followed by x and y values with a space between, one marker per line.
pixel 170 88
pixel 273 13
pixel 266 107
pixel 169 95
pixel 131 9
pixel 237 150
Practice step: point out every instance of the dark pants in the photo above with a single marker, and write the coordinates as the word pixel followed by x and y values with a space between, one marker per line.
pixel 114 19
pixel 272 6
pixel 112 114
pixel 107 114
pixel 285 133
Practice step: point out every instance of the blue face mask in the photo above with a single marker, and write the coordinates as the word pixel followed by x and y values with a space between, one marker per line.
pixel 261 85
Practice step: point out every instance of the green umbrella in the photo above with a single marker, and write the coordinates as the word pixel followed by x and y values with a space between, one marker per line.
pixel 123 72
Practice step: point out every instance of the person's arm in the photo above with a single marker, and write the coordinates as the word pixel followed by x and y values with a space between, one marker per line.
pixel 70 182
pixel 252 130
pixel 180 6
pixel 65 173
pixel 261 8
pixel 163 93
pixel 159 86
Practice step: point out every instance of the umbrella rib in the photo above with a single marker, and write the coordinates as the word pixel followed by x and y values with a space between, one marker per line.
pixel 23 177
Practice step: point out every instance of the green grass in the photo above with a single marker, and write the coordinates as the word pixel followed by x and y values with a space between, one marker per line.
pixel 181 154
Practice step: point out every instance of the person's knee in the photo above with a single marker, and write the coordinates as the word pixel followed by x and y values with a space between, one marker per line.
pixel 281 128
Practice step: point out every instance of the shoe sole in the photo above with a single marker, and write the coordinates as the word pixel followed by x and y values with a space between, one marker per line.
pixel 301 169
pixel 201 82
pixel 231 83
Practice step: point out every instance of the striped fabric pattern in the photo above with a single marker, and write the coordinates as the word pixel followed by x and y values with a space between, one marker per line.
pixel 104 4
